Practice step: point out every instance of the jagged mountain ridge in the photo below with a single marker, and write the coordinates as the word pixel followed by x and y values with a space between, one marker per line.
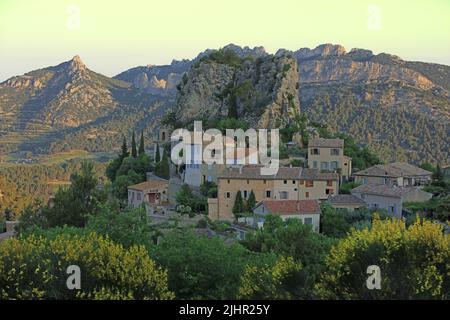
pixel 399 108
pixel 40 107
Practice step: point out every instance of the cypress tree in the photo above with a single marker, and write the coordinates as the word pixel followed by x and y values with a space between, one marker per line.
pixel 133 146
pixel 251 202
pixel 157 155
pixel 124 154
pixel 164 170
pixel 238 204
pixel 141 150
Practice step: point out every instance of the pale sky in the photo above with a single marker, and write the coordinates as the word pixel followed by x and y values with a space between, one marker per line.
pixel 112 36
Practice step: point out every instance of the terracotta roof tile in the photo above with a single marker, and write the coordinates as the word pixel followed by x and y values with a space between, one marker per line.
pixel 152 184
pixel 287 207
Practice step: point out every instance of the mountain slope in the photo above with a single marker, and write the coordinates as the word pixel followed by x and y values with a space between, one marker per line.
pixel 400 109
pixel 41 106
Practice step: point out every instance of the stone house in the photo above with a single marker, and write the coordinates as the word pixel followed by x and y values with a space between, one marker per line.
pixel 328 155
pixel 152 192
pixel 290 183
pixel 389 198
pixel 398 174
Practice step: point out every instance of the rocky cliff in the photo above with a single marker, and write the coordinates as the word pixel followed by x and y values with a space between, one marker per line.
pixel 262 89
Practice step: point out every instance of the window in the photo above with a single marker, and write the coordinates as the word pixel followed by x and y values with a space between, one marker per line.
pixel 248 181
pixel 363 196
pixel 227 195
pixel 364 180
pixel 264 181
pixel 309 183
pixel 391 209
pixel 285 181
pixel 268 194
pixel 302 182
pixel 284 195
pixel 315 151
pixel 374 205
pixel 293 181
pixel 138 196
pixel 245 194
pixel 306 194
pixel 209 179
pixel 329 183
pixel 333 165
pixel 334 152
pixel 314 164
pixel 324 166
pixel 228 181
pixel 329 191
pixel 385 180
pixel 308 221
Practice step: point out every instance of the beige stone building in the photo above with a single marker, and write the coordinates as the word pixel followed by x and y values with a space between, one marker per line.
pixel 152 192
pixel 288 184
pixel 328 155
pixel 398 174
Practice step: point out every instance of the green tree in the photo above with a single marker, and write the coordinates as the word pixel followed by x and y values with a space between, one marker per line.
pixel 296 240
pixel 127 227
pixel 114 166
pixel 141 150
pixel 346 187
pixel 124 149
pixel 238 207
pixel 204 268
pixel 414 262
pixel 157 154
pixel 333 222
pixel 438 178
pixel 120 186
pixel 34 267
pixel 209 189
pixel 134 152
pixel 73 204
pixel 185 196
pixel 427 166
pixel 269 282
pixel 251 202
pixel 162 168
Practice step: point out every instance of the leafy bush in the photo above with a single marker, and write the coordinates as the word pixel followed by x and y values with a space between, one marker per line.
pixel 34 267
pixel 204 268
pixel 414 262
